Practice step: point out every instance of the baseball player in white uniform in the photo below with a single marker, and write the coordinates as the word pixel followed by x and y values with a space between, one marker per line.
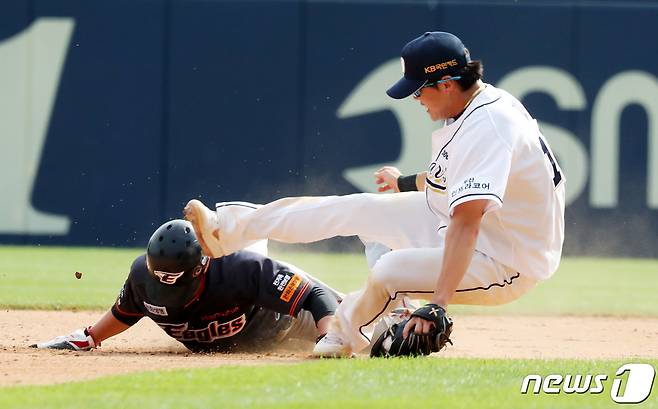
pixel 489 226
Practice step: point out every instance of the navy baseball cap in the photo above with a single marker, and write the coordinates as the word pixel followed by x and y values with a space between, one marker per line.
pixel 428 58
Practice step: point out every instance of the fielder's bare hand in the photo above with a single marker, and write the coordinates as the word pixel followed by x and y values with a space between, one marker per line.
pixel 429 319
pixel 417 326
pixel 387 179
pixel 428 330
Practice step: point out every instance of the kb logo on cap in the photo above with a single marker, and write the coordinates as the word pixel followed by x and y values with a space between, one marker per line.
pixel 441 66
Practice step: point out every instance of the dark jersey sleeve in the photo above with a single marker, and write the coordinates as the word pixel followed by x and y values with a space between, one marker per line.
pixel 127 306
pixel 279 287
pixel 321 302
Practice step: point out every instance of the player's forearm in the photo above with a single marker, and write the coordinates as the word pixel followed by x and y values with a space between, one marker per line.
pixel 321 303
pixel 324 325
pixel 459 247
pixel 410 183
pixel 108 326
pixel 420 181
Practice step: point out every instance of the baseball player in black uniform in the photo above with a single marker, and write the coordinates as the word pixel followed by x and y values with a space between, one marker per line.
pixel 242 302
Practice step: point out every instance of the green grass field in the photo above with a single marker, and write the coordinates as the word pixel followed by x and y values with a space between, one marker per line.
pixel 326 384
pixel 43 277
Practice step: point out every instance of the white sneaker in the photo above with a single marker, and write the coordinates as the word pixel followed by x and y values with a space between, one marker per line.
pixel 206 227
pixel 332 346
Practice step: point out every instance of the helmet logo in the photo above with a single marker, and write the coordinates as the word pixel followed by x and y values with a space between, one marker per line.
pixel 200 268
pixel 168 278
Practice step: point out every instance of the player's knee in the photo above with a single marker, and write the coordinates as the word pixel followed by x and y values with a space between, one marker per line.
pixel 388 267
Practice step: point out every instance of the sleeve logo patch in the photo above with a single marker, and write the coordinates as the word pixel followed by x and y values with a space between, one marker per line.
pixel 156 309
pixel 290 289
pixel 280 281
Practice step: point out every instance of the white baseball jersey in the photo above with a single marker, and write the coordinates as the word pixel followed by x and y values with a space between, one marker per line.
pixel 495 151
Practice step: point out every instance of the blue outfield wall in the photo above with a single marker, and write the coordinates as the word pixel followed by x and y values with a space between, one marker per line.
pixel 114 113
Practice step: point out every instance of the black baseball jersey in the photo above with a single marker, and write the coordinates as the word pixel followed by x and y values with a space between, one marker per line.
pixel 245 300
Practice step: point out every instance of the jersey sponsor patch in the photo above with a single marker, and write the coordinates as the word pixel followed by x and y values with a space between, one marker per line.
pixel 287 283
pixel 214 330
pixel 168 278
pixel 472 185
pixel 290 289
pixel 281 280
pixel 156 309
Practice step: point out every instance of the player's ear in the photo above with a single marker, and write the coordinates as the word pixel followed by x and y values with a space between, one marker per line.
pixel 449 86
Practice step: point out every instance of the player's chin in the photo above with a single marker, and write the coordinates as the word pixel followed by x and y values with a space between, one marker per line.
pixel 434 116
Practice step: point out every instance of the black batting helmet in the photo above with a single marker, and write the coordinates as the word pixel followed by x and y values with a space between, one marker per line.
pixel 174 259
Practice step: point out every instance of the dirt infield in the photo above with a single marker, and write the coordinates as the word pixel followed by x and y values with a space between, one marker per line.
pixel 146 347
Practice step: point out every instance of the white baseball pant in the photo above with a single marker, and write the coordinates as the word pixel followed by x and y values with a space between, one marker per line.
pixel 404 246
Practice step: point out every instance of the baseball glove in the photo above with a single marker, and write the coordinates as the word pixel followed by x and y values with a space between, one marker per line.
pixel 391 342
